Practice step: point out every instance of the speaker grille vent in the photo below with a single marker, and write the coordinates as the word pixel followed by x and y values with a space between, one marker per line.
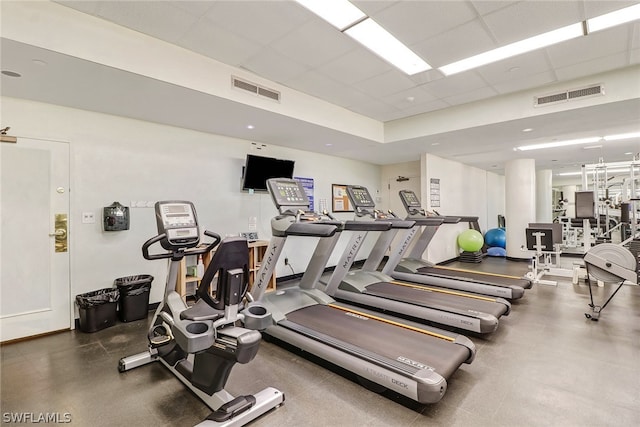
pixel 255 89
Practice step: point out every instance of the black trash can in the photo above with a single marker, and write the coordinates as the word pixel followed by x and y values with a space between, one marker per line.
pixel 97 309
pixel 134 296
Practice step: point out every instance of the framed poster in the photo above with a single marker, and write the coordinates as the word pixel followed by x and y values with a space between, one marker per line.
pixel 434 192
pixel 340 199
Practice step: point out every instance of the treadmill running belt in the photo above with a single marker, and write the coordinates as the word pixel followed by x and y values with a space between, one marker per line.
pixel 393 342
pixel 420 295
pixel 475 277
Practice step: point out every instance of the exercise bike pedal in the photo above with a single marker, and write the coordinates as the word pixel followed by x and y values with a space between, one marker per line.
pixel 159 340
pixel 160 336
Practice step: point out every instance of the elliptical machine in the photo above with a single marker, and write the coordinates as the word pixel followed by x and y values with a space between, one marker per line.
pixel 200 344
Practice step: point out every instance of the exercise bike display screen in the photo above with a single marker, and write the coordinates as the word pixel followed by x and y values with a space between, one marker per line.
pixel 410 199
pixel 178 221
pixel 360 196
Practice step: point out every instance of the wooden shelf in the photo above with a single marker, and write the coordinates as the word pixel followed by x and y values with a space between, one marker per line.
pixel 257 250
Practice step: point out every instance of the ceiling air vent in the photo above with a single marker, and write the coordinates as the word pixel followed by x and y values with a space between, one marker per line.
pixel 568 95
pixel 255 89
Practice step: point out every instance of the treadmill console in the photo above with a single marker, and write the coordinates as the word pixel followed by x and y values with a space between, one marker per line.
pixel 360 196
pixel 287 192
pixel 411 202
pixel 178 221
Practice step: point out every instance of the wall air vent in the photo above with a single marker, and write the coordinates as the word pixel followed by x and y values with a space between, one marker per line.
pixel 255 89
pixel 569 95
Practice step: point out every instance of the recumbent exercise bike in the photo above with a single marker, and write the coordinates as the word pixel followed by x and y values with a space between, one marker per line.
pixel 200 344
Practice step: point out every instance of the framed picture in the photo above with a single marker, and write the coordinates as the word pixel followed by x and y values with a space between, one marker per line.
pixel 340 199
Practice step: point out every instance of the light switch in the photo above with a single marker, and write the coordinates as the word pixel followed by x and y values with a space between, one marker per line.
pixel 88 218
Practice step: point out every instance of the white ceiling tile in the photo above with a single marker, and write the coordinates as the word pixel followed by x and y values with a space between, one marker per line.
pixel 375 109
pixel 158 19
pixel 274 66
pixel 314 43
pixel 216 42
pixel 425 108
pixel 487 6
pixel 471 96
pixel 455 85
pixel 455 44
pixel 316 84
pixel 593 46
pixel 515 68
pixel 194 7
pixel 414 21
pixel 409 98
pixel 88 6
pixel 356 65
pixel 260 21
pixel 634 56
pixel 371 7
pixel 594 66
pixel 529 18
pixel 385 84
pixel 593 8
pixel 528 82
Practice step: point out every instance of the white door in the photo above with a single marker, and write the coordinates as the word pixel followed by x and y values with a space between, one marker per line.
pixel 395 204
pixel 34 254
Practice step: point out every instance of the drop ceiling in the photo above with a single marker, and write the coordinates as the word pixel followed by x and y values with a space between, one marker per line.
pixel 283 43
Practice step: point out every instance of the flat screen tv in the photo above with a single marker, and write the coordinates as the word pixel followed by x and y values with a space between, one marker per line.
pixel 258 169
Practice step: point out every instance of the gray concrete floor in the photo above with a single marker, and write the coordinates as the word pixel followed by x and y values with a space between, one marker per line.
pixel 545 365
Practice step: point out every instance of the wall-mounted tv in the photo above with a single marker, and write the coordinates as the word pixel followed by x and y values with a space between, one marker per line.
pixel 258 169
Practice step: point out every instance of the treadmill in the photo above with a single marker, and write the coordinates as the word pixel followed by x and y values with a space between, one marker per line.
pixel 411 359
pixel 416 269
pixel 373 289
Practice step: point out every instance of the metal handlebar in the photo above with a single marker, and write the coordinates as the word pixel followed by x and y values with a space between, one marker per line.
pixel 196 251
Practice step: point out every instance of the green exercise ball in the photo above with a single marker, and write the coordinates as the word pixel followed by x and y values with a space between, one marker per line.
pixel 470 240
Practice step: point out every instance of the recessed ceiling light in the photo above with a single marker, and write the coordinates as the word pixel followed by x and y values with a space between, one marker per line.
pixel 527 130
pixel 513 69
pixel 250 127
pixel 592 147
pixel 435 143
pixel 411 98
pixel 628 153
pixel 328 145
pixel 39 62
pixel 11 73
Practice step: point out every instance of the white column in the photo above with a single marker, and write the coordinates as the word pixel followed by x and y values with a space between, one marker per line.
pixel 544 204
pixel 520 204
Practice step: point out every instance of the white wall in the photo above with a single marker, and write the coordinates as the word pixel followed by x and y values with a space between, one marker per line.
pixel 390 173
pixel 119 159
pixel 464 190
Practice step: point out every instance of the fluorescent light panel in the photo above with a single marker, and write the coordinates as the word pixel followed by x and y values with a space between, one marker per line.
pixel 513 49
pixel 589 140
pixel 385 45
pixel 339 13
pixel 559 143
pixel 352 21
pixel 612 19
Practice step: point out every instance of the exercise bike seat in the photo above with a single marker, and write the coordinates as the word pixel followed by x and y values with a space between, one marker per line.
pixel 201 311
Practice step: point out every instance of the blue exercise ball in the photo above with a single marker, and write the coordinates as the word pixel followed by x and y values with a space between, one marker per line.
pixel 470 240
pixel 496 238
pixel 497 251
